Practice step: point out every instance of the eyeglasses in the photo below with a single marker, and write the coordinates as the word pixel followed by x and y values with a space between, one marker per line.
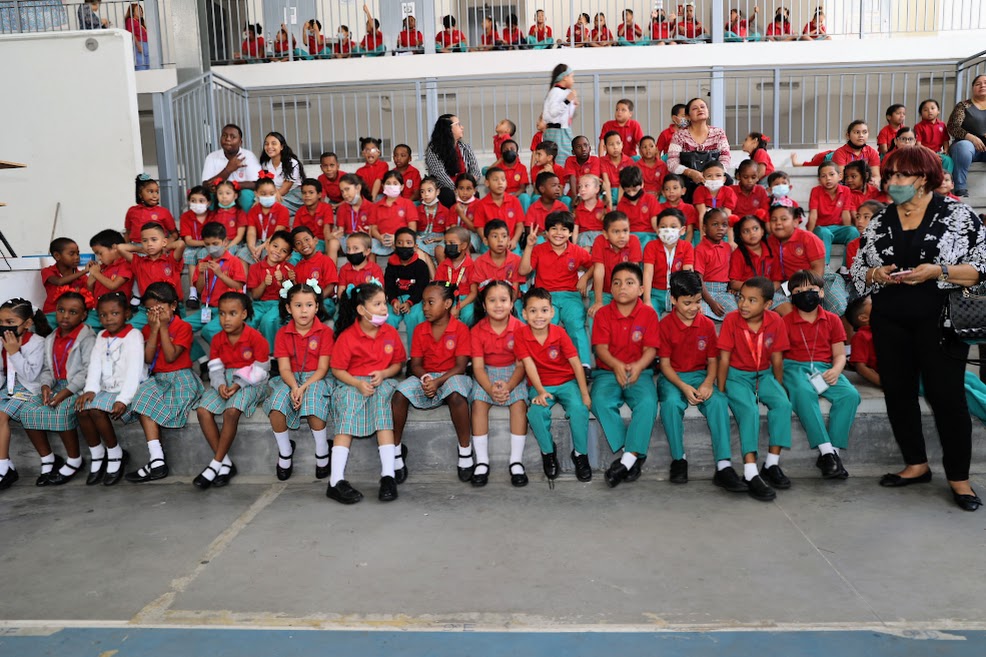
pixel 907 140
pixel 457 123
pixel 902 174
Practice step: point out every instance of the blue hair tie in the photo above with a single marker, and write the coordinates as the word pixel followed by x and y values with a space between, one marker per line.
pixel 143 177
pixel 349 290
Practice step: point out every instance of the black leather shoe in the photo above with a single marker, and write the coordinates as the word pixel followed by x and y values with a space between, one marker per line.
pixel 112 479
pixel 343 493
pixel 587 371
pixel 465 474
pixel 223 479
pixel 775 477
pixel 615 473
pixel 891 480
pixel 633 474
pixel 480 479
pixel 320 472
pixel 831 467
pixel 400 475
pixel 967 502
pixel 679 471
pixel 45 479
pixel 759 490
pixel 843 473
pixel 550 463
pixel 283 474
pixel 149 472
pixel 729 480
pixel 7 480
pixel 388 489
pixel 56 478
pixel 583 471
pixel 193 304
pixel 96 477
pixel 518 480
pixel 202 482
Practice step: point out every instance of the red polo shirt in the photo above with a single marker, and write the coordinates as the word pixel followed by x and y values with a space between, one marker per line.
pixel 139 215
pixel 232 218
pixel 887 135
pixel 484 269
pixel 664 139
pixel 214 286
pixel 688 347
pixel 360 355
pixel 862 348
pixel 349 275
pixel 250 348
pixel 509 211
pixel 760 156
pixel 843 155
pixel 813 341
pixel 868 193
pixel 496 349
pixel 181 335
pixel 517 178
pixel 60 349
pixel 830 209
pixel 165 269
pixel 626 336
pixel 265 225
pixel 330 188
pixel 439 355
pixel 851 250
pixel 757 199
pixel 573 168
pixel 450 38
pixel 537 213
pixel 119 269
pixel 371 173
pixel 389 218
pixel 189 225
pixel 355 220
pixel 656 254
pixel 550 358
pixel 50 299
pixel 605 253
pixel 258 272
pixel 436 220
pixel 412 181
pixel 630 132
pixel 559 272
pixel 734 336
pixel 712 260
pixel 725 199
pixel 653 176
pixel 932 135
pixel 303 350
pixel 318 266
pixel 314 221
pixel 611 172
pixel 590 220
pixel 798 252
pixel 640 213
pixel 447 271
pixel 691 214
pixel 763 265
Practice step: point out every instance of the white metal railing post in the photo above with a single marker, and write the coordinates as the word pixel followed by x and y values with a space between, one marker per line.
pixel 862 20
pixel 717 91
pixel 572 20
pixel 422 138
pixel 428 27
pixel 155 33
pixel 718 21
pixel 431 104
pixel 164 138
pixel 775 138
pixel 597 126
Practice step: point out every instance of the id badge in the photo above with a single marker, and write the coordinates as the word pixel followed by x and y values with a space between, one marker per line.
pixel 817 382
pixel 205 314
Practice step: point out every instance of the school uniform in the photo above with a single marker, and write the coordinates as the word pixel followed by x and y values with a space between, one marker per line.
pixel 852 249
pixel 371 173
pixel 886 136
pixel 265 225
pixel 190 227
pixel 751 379
pixel 828 225
pixel 163 269
pixel 559 274
pixel 609 256
pixel 22 375
pixel 66 363
pixel 845 154
pixel 353 219
pixel 468 208
pixel 627 337
pixel 116 370
pixel 687 209
pixel 760 265
pixel 450 40
pixel 641 214
pixel 232 220
pixel 349 275
pixel 304 352
pixel 725 199
pixel 666 263
pixel 406 282
pixel 206 320
pixel 746 204
pixel 797 253
pixel 320 267
pixel 485 270
pixel 589 167
pixel 267 309
pixel 712 264
pixel 173 389
pixel 412 182
pixel 653 176
pixel 438 356
pixel 140 215
pixel 119 269
pixel 664 139
pixel 459 277
pixel 497 352
pixel 551 360
pixel 590 223
pixel 249 350
pixel 361 355
pixel 611 172
pixel 537 213
pixel 689 347
pixel 517 181
pixel 630 132
pixel 330 188
pixel 48 308
pixel 510 211
pixel 389 218
pixel 761 156
pixel 811 352
pixel 432 223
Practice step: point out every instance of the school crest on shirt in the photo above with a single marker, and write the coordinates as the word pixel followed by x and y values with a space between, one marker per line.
pixel 517 177
pixel 167 270
pixel 246 352
pixel 400 213
pixel 388 347
pixel 553 352
pixel 232 222
pixel 510 341
pixel 799 250
pixel 637 334
pixel 838 203
pixel 154 216
pixel 571 264
pixel 510 214
pixel 768 340
pixel 409 184
pixel 313 344
pixel 678 264
pixel 703 343
pixel 450 343
pixel 314 274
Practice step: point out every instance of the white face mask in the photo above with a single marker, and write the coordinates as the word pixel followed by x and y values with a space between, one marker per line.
pixel 714 185
pixel 430 204
pixel 198 208
pixel 780 191
pixel 391 191
pixel 267 201
pixel 669 236
pixel 355 200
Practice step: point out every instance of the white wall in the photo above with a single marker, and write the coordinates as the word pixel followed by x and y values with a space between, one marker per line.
pixel 70 114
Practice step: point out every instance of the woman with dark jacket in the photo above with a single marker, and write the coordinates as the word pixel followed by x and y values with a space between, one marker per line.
pixel 447 156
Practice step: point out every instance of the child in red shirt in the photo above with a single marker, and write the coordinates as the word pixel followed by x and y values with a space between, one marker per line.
pixel 515 171
pixel 148 210
pixel 216 274
pixel 755 145
pixel 628 31
pixel 331 174
pixel 373 171
pixel 862 355
pixel 109 271
pixel 262 221
pixel 412 177
pixel 455 269
pixel 315 265
pixel 548 186
pixel 623 124
pixel 190 225
pixel 856 176
pixel 539 36
pixel 610 167
pixel 64 273
pixel 750 197
pixel 861 220
pixel 544 162
pixel 580 163
pixel 665 256
pixel 265 281
pixel 451 39
pixel 499 263
pixel 616 245
pixel 228 212
pixel 830 210
pixel 931 132
pixel 314 215
pixel 589 211
pixel 652 167
pixel 354 215
pixel 162 262
pixel 433 220
pixel 440 351
pixel 640 207
pixel 359 269
pixel 504 130
pixel 856 148
pixel 712 257
pixel 896 115
pixel 498 205
pixel 679 119
pixel 752 256
pixel 673 190
pixel 715 194
pixel 393 212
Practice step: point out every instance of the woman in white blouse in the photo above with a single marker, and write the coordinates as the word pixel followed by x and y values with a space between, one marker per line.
pixel 280 160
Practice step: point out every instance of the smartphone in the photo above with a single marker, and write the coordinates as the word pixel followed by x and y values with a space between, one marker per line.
pixel 898 274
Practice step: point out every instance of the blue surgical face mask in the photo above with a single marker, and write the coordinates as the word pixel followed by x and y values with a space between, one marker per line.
pixel 901 193
pixel 225 206
pixel 267 201
pixel 780 191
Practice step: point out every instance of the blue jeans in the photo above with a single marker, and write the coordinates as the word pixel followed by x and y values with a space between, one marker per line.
pixel 963 153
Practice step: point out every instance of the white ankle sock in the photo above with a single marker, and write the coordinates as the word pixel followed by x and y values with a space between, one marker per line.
pixel 97 452
pixel 517 443
pixel 154 447
pixel 283 449
pixel 47 463
pixel 321 447
pixel 339 457
pixel 67 469
pixel 465 459
pixel 398 459
pixel 826 448
pixel 5 466
pixel 193 292
pixel 576 452
pixel 772 459
pixel 386 460
pixel 482 446
pixel 209 474
pixel 723 464
pixel 750 471
pixel 113 453
pixel 628 459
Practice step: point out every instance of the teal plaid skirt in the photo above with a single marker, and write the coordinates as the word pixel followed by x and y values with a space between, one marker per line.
pixel 245 400
pixel 35 415
pixel 12 406
pixel 499 374
pixel 315 402
pixel 104 401
pixel 411 388
pixel 168 397
pixel 720 292
pixel 356 415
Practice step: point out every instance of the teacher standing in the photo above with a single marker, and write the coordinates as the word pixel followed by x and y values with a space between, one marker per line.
pixel 559 108
pixel 911 255
pixel 447 157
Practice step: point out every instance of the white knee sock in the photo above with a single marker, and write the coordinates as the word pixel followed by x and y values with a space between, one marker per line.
pixel 47 463
pixel 750 471
pixel 465 456
pixel 5 466
pixel 283 449
pixel 386 460
pixel 67 469
pixel 398 459
pixel 339 457
pixel 826 448
pixel 193 293
pixel 772 459
pixel 482 446
pixel 517 443
pixel 321 447
pixel 154 447
pixel 628 459
pixel 113 453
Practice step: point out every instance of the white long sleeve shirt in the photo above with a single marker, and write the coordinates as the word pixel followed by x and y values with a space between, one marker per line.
pixel 117 365
pixel 24 367
pixel 557 108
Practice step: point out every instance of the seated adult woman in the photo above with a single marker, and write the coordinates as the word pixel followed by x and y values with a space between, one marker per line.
pixel 234 163
pixel 447 156
pixel 910 255
pixel 279 160
pixel 967 126
pixel 696 145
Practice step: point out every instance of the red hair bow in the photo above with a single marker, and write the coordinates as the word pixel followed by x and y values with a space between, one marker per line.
pixel 765 138
pixel 87 298
pixel 235 184
pixel 761 214
pixel 265 175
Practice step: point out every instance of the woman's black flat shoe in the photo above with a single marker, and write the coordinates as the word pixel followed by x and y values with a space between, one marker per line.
pixel 891 480
pixel 967 502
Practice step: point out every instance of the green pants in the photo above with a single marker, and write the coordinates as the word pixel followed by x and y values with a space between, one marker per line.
pixel 607 399
pixel 411 320
pixel 804 399
pixel 267 320
pixel 975 395
pixel 466 313
pixel 835 235
pixel 570 398
pixel 570 313
pixel 741 391
pixel 673 406
pixel 645 238
pixel 660 301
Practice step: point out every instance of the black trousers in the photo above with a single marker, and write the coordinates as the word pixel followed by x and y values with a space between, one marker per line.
pixel 907 351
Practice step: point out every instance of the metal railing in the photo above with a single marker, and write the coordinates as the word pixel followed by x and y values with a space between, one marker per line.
pixel 35 16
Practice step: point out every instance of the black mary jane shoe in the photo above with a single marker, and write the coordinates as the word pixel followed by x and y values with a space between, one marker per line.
pixel 343 493
pixel 323 472
pixel 615 473
pixel 149 472
pixel 7 480
pixel 480 479
pixel 56 478
pixel 967 502
pixel 44 479
pixel 96 476
pixel 465 474
pixel 283 474
pixel 583 471
pixel 223 479
pixel 388 489
pixel 113 478
pixel 519 480
pixel 891 480
pixel 400 475
pixel 202 482
pixel 633 472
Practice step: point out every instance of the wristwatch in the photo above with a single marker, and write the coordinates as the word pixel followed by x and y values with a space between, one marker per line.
pixel 944 273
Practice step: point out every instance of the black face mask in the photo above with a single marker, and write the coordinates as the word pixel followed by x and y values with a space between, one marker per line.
pixel 510 156
pixel 404 252
pixel 452 251
pixel 633 197
pixel 4 330
pixel 806 301
pixel 355 259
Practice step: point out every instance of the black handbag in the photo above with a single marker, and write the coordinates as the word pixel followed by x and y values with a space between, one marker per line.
pixel 697 159
pixel 965 314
